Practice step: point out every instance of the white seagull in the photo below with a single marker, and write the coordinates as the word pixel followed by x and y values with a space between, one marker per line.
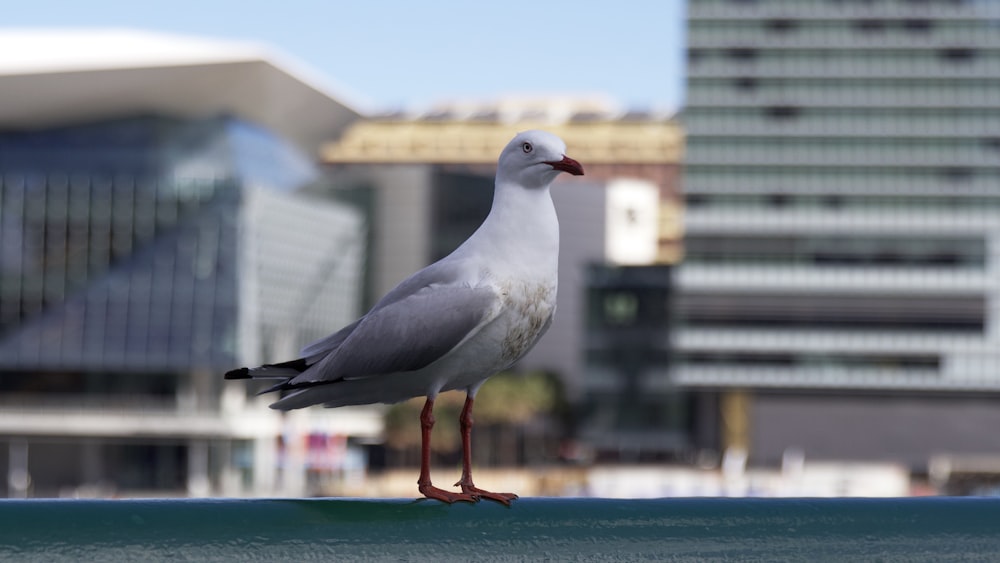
pixel 453 324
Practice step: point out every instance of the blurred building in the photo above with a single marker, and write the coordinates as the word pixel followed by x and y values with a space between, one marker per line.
pixel 151 238
pixel 429 184
pixel 632 410
pixel 841 289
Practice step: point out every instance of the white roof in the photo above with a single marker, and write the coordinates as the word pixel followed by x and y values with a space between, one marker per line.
pixel 57 76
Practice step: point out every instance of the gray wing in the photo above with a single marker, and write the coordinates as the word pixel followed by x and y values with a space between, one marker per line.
pixel 315 351
pixel 436 273
pixel 405 334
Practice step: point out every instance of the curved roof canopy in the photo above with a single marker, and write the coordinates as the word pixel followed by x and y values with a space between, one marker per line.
pixel 54 76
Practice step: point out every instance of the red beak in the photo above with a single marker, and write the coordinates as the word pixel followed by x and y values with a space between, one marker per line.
pixel 567 164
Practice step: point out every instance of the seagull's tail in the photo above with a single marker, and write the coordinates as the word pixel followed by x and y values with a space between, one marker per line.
pixel 284 372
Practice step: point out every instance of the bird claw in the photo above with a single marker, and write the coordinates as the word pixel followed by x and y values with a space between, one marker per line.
pixel 502 498
pixel 449 497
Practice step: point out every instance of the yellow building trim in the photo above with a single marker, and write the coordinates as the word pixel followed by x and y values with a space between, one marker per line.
pixel 474 142
pixel 734 408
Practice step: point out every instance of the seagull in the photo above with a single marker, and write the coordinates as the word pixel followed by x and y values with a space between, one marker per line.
pixel 453 324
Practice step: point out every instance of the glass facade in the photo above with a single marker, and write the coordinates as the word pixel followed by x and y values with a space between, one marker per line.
pixel 630 411
pixel 117 274
pixel 140 258
pixel 118 240
pixel 157 148
pixel 842 204
pixel 461 201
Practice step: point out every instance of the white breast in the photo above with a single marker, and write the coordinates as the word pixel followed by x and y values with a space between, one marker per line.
pixel 527 307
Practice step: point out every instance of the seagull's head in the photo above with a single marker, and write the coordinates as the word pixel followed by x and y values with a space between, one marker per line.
pixel 533 159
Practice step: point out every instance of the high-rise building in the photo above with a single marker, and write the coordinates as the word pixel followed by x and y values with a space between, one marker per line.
pixel 841 288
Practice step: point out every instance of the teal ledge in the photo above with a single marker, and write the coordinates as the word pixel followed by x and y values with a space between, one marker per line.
pixel 915 529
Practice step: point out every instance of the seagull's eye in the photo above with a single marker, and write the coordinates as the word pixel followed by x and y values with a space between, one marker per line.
pixel 526 147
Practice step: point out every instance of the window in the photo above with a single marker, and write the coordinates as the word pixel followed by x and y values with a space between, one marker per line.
pixel 957 54
pixel 745 83
pixel 782 112
pixel 780 25
pixel 742 54
pixel 912 312
pixel 870 25
pixel 957 174
pixel 917 25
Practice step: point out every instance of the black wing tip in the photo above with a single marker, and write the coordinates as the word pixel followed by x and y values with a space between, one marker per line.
pixel 241 373
pixel 299 365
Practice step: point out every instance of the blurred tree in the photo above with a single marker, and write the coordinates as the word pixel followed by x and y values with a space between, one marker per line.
pixel 515 398
pixel 402 423
pixel 507 400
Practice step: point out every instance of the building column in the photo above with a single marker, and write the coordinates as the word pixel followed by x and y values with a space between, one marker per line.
pixel 293 468
pixel 229 477
pixel 198 483
pixel 265 464
pixel 734 411
pixel 92 464
pixel 992 328
pixel 18 478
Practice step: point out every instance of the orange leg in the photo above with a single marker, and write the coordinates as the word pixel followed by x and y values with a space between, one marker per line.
pixel 424 483
pixel 465 482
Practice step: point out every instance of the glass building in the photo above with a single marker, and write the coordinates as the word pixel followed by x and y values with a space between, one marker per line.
pixel 841 290
pixel 141 256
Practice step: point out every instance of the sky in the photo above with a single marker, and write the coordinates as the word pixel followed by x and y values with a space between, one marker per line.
pixel 393 55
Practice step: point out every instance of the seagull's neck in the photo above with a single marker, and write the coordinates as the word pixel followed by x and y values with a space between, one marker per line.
pixel 522 228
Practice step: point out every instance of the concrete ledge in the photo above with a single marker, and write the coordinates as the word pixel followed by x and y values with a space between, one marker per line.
pixel 925 529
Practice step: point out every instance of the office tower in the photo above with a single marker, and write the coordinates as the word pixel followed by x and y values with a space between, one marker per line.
pixel 841 290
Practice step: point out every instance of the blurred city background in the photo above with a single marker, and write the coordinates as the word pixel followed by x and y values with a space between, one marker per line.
pixel 782 279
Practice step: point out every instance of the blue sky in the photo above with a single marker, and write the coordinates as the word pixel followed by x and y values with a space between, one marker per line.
pixel 411 54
